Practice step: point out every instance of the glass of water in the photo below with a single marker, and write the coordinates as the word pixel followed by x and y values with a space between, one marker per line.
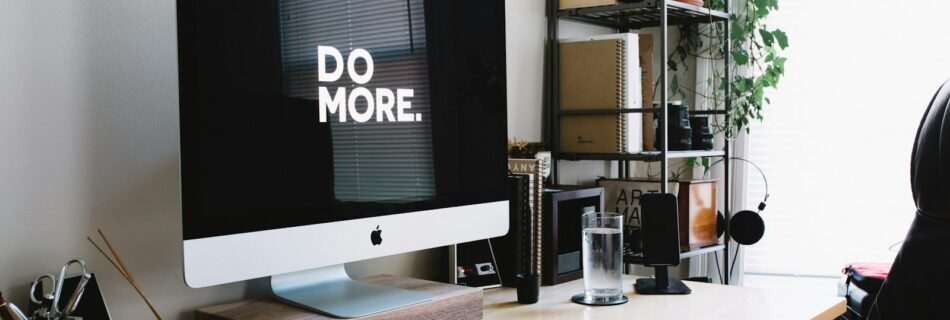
pixel 602 254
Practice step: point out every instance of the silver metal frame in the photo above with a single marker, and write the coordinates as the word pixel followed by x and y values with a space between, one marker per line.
pixel 330 290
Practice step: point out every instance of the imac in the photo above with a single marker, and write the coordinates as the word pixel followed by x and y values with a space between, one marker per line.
pixel 319 132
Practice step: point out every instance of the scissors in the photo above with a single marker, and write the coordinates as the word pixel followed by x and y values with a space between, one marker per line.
pixel 49 301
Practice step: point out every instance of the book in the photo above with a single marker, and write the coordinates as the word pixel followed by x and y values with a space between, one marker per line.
pixel 601 72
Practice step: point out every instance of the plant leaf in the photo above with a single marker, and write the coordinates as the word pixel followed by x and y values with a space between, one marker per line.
pixel 781 38
pixel 737 31
pixel 767 38
pixel 740 57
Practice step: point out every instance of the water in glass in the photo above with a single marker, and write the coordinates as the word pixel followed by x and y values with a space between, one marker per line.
pixel 602 261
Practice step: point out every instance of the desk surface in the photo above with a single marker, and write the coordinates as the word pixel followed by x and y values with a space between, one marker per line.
pixel 708 301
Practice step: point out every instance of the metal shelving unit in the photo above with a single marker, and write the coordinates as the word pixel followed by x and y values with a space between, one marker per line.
pixel 646 156
pixel 646 13
pixel 624 17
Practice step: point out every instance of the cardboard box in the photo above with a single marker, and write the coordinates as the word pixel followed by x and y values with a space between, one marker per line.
pixel 571 4
pixel 646 82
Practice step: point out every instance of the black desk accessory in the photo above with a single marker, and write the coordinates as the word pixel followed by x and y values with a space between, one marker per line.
pixel 529 288
pixel 679 130
pixel 528 282
pixel 514 252
pixel 702 133
pixel 91 306
pixel 660 228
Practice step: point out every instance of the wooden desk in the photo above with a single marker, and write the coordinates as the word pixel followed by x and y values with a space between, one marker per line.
pixel 708 301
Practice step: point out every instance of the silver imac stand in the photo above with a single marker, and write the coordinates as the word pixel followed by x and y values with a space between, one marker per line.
pixel 330 290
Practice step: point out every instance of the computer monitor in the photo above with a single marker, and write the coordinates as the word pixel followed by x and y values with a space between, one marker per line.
pixel 319 132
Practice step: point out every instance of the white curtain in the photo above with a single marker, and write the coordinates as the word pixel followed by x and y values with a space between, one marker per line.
pixel 837 140
pixel 712 264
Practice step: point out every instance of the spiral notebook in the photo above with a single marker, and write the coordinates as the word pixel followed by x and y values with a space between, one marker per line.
pixel 601 72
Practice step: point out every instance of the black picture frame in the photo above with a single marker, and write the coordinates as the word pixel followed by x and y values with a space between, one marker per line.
pixel 562 233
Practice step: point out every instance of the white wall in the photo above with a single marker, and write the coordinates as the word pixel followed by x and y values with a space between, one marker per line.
pixel 89 139
pixel 527 29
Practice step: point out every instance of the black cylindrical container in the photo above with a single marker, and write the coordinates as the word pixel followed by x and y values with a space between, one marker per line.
pixel 680 133
pixel 702 133
pixel 529 288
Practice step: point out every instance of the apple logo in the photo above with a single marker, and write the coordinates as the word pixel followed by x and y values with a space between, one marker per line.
pixel 376 236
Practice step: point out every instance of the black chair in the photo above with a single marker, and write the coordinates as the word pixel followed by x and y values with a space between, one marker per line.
pixel 916 287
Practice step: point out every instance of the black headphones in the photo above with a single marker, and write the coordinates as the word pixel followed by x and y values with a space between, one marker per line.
pixel 746 226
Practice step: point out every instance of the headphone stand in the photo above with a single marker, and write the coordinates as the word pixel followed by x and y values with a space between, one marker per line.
pixel 661 284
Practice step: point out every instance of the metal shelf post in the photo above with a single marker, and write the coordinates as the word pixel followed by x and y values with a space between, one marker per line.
pixel 551 90
pixel 727 195
pixel 664 98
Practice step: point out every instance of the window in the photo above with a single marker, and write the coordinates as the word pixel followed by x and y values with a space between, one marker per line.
pixel 836 141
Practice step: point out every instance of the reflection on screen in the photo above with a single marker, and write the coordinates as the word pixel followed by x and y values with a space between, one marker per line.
pixel 388 161
pixel 302 112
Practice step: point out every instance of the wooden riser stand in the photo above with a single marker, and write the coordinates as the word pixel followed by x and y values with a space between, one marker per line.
pixel 451 302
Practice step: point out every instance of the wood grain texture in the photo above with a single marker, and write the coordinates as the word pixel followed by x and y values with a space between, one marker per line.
pixel 451 302
pixel 708 301
pixel 570 4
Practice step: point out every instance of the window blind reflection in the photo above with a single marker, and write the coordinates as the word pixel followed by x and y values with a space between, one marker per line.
pixel 372 161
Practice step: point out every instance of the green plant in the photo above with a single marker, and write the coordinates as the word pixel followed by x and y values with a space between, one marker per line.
pixel 757 61
pixel 521 149
pixel 698 161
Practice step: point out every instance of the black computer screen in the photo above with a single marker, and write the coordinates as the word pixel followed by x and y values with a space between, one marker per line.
pixel 299 112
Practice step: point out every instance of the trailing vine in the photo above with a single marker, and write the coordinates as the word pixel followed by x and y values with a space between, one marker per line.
pixel 757 65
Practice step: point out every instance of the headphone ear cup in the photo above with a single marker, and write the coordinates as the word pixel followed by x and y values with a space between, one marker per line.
pixel 720 224
pixel 747 227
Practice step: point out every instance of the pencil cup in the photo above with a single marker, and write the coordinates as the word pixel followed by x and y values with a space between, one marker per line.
pixel 529 288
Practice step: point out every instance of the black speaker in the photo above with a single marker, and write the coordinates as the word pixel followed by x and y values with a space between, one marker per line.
pixel 747 227
pixel 661 243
